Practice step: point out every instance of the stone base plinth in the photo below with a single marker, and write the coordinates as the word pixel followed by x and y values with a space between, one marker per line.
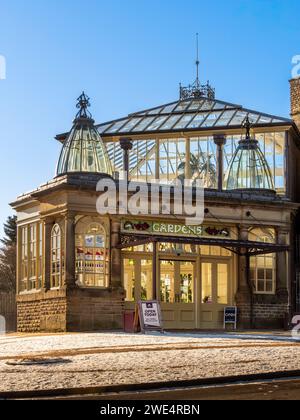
pixel 73 310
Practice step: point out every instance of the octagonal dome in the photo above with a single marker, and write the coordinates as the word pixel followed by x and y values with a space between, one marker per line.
pixel 83 150
pixel 249 169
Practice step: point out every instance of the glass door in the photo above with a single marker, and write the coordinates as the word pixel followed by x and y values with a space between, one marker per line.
pixel 214 293
pixel 137 278
pixel 177 293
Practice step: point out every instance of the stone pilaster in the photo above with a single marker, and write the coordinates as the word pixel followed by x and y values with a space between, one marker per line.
pixel 282 271
pixel 69 280
pixel 116 259
pixel 220 141
pixel 49 223
pixel 243 294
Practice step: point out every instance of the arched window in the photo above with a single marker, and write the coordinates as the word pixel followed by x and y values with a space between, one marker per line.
pixel 263 267
pixel 56 257
pixel 91 254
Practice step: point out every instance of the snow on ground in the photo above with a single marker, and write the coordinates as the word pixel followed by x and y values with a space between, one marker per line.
pixel 112 358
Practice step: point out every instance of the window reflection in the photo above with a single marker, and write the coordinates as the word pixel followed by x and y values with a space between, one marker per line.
pixel 206 278
pixel 167 281
pixel 263 267
pixel 172 153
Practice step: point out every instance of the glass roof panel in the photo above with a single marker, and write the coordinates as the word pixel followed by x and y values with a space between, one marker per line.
pixel 198 120
pixel 116 127
pixel 195 105
pixel 276 120
pixel 264 120
pixel 239 118
pixel 207 105
pixel 169 108
pixel 155 111
pixel 185 120
pixel 171 122
pixel 131 124
pixel 188 114
pixel 156 123
pixel 253 118
pixel 143 124
pixel 182 106
pixel 225 118
pixel 218 105
pixel 211 119
pixel 103 128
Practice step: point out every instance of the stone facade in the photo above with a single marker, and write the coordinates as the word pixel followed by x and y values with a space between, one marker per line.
pixel 70 311
pixel 95 310
pixel 295 100
pixel 264 315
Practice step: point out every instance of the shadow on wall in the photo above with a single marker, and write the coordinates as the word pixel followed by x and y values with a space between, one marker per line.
pixel 8 313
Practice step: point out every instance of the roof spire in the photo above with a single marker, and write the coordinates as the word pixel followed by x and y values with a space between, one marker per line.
pixel 197 83
pixel 196 90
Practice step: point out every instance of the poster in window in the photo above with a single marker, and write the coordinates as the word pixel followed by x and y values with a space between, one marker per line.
pixel 99 256
pixel 99 241
pixel 89 256
pixel 89 241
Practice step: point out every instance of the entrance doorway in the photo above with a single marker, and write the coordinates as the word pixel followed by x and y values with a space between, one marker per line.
pixel 177 293
pixel 193 288
pixel 215 293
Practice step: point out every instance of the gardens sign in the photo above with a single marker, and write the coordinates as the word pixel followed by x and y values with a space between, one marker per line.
pixel 173 229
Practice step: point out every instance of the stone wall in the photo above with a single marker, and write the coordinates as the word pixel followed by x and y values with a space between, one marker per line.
pixel 95 310
pixel 73 310
pixel 295 100
pixel 264 315
pixel 42 312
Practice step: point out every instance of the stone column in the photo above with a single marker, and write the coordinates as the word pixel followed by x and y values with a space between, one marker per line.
pixel 244 296
pixel 116 255
pixel 282 269
pixel 220 141
pixel 69 247
pixel 243 287
pixel 48 223
pixel 126 146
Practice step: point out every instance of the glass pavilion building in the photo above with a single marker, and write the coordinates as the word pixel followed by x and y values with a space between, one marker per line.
pixel 79 271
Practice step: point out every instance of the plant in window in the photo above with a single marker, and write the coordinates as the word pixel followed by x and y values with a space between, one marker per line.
pixel 201 168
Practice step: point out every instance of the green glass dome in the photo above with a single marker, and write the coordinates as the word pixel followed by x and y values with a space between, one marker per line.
pixel 84 150
pixel 249 169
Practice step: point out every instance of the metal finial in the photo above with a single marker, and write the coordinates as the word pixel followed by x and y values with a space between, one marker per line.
pixel 83 104
pixel 247 125
pixel 197 61
pixel 196 90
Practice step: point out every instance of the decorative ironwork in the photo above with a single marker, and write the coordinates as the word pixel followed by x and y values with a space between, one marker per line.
pixel 197 91
pixel 83 105
pixel 239 247
pixel 129 241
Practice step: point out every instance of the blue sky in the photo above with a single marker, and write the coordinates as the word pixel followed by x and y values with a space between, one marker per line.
pixel 129 55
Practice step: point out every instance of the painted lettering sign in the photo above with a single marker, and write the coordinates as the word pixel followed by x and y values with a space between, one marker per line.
pixel 173 229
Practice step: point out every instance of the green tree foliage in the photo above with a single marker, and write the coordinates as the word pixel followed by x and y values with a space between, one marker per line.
pixel 8 253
